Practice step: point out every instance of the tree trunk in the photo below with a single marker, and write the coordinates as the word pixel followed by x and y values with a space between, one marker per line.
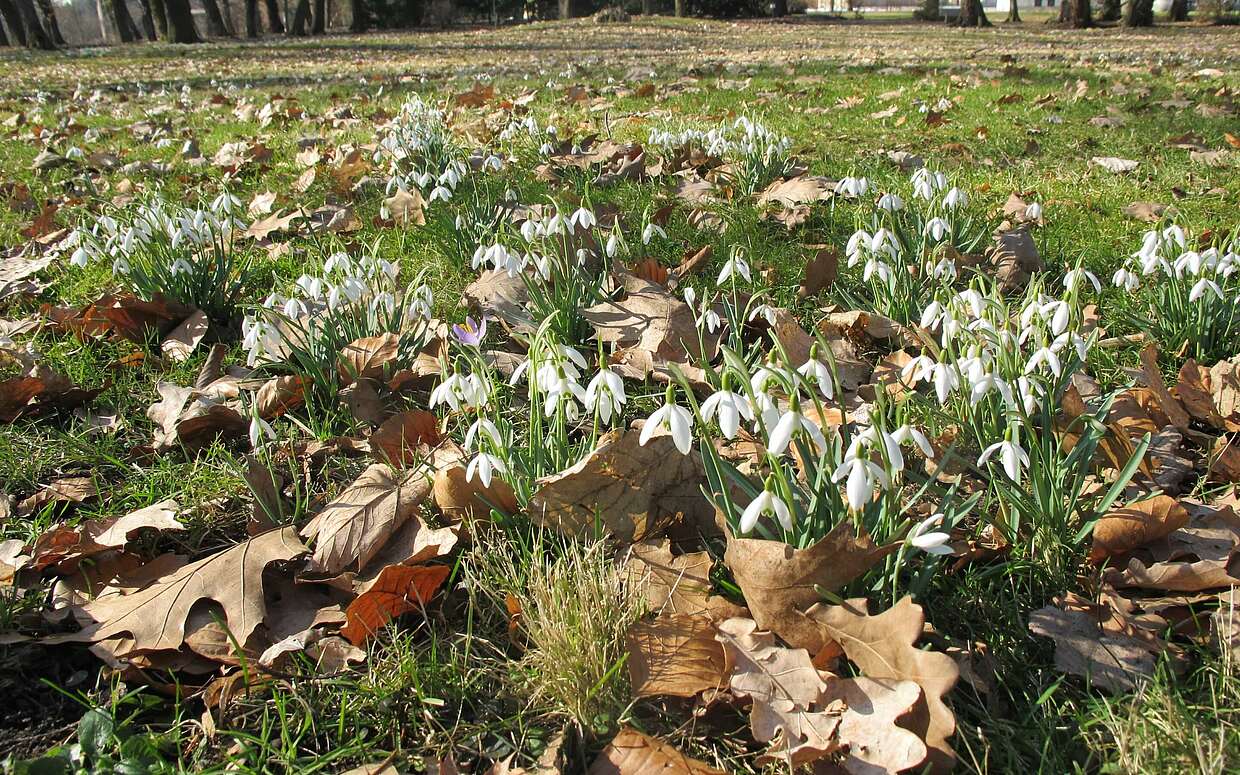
pixel 1013 16
pixel 125 28
pixel 1179 10
pixel 1140 13
pixel 4 39
pixel 779 8
pixel 361 15
pixel 251 18
pixel 566 9
pixel 1076 14
pixel 298 26
pixel 274 22
pixel 680 8
pixel 929 11
pixel 972 14
pixel 36 36
pixel 320 17
pixel 14 21
pixel 215 19
pixel 48 12
pixel 645 7
pixel 181 27
pixel 1111 11
pixel 159 13
pixel 148 20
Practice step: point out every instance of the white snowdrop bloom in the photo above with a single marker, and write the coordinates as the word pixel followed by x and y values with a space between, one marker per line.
pixel 766 312
pixel 1044 355
pixel 936 228
pixel 80 257
pixel 605 395
pixel 440 193
pixel 955 198
pixel 676 419
pixel 891 203
pixel 906 433
pixel 1203 285
pixel 945 269
pixel 564 392
pixel 260 429
pixel 581 218
pixel 1033 211
pixel 858 242
pixel 790 424
pixel 730 408
pixel 485 428
pixel 924 537
pixel 1011 455
pixel 767 503
pixel 613 246
pixel 1126 280
pixel 931 315
pixel 873 268
pixel 484 466
pixel 864 477
pixel 712 320
pixel 1073 278
pixel 817 371
pixel 651 230
pixel 734 266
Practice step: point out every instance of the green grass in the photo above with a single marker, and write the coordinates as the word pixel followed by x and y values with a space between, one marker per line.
pixel 450 681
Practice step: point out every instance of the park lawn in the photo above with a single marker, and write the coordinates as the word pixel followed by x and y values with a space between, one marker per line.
pixel 1011 110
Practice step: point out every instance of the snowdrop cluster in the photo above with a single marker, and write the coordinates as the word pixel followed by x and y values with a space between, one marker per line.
pixel 758 154
pixel 546 139
pixel 185 254
pixel 1191 296
pixel 421 153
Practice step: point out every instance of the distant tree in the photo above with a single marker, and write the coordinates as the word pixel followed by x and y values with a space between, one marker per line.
pixel 48 12
pixel 274 22
pixel 181 27
pixel 4 39
pixel 13 19
pixel 126 30
pixel 251 18
pixel 972 14
pixel 216 27
pixel 361 16
pixel 929 11
pixel 159 14
pixel 1179 10
pixel 147 20
pixel 1111 11
pixel 36 36
pixel 1013 16
pixel 320 17
pixel 779 8
pixel 1139 13
pixel 1076 14
pixel 566 9
pixel 297 27
pixel 680 7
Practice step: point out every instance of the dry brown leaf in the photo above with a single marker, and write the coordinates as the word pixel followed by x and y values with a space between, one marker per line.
pixel 1082 647
pixel 154 618
pixel 636 492
pixel 63 546
pixel 633 753
pixel 279 394
pixel 1152 376
pixel 820 272
pixel 183 340
pixel 356 525
pixel 404 438
pixel 802 190
pixel 1149 212
pixel 870 727
pixel 651 319
pixel 407 208
pixel 499 294
pixel 368 357
pixel 262 228
pixel 458 498
pixel 882 646
pixel 677 584
pixel 398 589
pixel 1124 529
pixel 674 655
pixel 780 582
pixel 67 489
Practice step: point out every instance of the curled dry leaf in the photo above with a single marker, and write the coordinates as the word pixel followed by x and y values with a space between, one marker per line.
pixel 1194 558
pixel 397 589
pixel 651 319
pixel 635 492
pixel 192 418
pixel 181 342
pixel 870 724
pixel 280 394
pixel 404 438
pixel 356 525
pixel 39 390
pixel 1152 376
pixel 407 208
pixel 1212 395
pixel 459 498
pixel 64 546
pixel 677 584
pixel 368 357
pixel 153 618
pixel 1111 660
pixel 633 753
pixel 68 489
pixel 882 646
pixel 1124 529
pixel 674 655
pixel 498 293
pixel 820 272
pixel 781 582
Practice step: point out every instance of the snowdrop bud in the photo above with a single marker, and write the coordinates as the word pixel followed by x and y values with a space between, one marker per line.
pixel 955 198
pixel 1033 211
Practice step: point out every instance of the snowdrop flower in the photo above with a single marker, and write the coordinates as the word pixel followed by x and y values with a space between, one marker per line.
pixel 931 315
pixel 79 257
pixel 562 391
pixel 452 391
pixel 863 477
pixel 789 425
pixel 1126 280
pixel 440 193
pixel 581 218
pixel 1044 355
pixel 613 246
pixel 260 429
pixel 936 228
pixel 1073 278
pixel 955 198
pixel 816 370
pixel 930 541
pixel 484 465
pixel 1012 456
pixel 733 267
pixel 1033 211
pixel 860 240
pixel 711 318
pixel 766 312
pixel 766 503
pixel 730 407
pixel 906 433
pixel 852 187
pixel 650 231
pixel 891 203
pixel 605 394
pixel 1202 286
pixel 487 429
pixel 986 383
pixel 676 419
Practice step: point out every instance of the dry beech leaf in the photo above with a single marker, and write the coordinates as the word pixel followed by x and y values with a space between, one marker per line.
pixel 1194 558
pixel 636 492
pixel 674 655
pixel 633 753
pixel 801 190
pixel 399 439
pixel 368 357
pixel 278 395
pixel 397 589
pixel 1121 530
pixel 498 293
pixel 820 272
pixel 458 498
pixel 67 489
pixel 1152 376
pixel 357 524
pixel 1212 395
pixel 1110 660
pixel 1149 212
pixel 780 582
pixel 154 618
pixel 883 647
pixel 651 319
pixel 1114 164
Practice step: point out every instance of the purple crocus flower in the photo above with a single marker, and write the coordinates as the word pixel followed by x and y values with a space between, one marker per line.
pixel 472 333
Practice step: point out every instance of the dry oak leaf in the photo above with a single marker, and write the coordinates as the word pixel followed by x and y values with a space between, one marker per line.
pixel 407 208
pixel 263 228
pixel 882 646
pixel 357 524
pixel 1121 530
pixel 677 584
pixel 403 438
pixel 40 389
pixel 633 753
pixel 498 293
pixel 781 582
pixel 397 590
pixel 651 319
pixel 869 727
pixel 67 489
pixel 1225 460
pixel 1149 212
pixel 1111 660
pixel 459 498
pixel 1152 377
pixel 635 492
pixel 801 190
pixel 154 618
pixel 63 545
pixel 183 340
pixel 674 655
pixel 368 357
pixel 785 688
pixel 279 394
pixel 1212 395
pixel 1114 164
